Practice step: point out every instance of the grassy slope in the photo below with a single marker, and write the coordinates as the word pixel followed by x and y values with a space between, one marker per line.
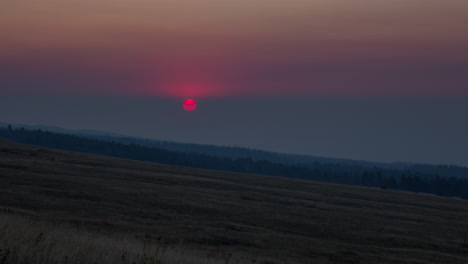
pixel 234 213
pixel 30 242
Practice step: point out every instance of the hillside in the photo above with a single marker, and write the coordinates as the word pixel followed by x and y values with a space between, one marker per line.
pixel 286 220
pixel 428 182
pixel 236 152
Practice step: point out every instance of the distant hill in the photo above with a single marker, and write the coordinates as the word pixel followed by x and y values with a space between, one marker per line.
pixel 80 132
pixel 220 151
pixel 150 208
pixel 385 178
pixel 234 152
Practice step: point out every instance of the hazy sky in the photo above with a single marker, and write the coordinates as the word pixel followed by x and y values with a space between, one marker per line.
pixel 378 129
pixel 366 79
pixel 202 48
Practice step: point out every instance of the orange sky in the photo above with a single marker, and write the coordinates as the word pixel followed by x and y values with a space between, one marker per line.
pixel 219 44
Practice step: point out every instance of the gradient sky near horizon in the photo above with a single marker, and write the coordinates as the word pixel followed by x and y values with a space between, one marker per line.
pixel 382 80
pixel 206 48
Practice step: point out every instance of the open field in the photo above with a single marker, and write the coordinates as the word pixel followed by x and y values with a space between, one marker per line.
pixel 25 241
pixel 271 219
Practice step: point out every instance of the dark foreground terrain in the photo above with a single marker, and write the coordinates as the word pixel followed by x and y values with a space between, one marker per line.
pixel 64 207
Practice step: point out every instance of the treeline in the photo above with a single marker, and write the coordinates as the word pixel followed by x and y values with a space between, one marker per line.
pixel 234 152
pixel 328 172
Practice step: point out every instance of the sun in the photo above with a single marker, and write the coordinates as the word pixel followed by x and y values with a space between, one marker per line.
pixel 189 105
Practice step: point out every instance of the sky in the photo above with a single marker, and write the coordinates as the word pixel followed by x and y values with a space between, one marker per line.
pixel 311 65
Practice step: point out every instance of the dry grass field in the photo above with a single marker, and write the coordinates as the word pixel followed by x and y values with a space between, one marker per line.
pixel 24 240
pixel 94 209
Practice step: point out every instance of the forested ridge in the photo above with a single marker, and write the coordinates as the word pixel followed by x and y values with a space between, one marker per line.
pixel 351 174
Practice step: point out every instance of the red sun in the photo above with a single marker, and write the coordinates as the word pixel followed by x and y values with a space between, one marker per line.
pixel 189 105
